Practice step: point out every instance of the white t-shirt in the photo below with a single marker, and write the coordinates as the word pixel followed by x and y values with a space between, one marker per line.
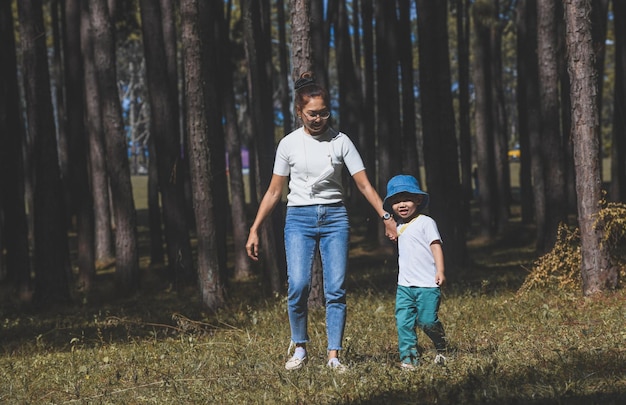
pixel 416 262
pixel 315 165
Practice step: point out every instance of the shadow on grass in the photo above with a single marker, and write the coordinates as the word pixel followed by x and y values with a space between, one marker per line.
pixel 102 316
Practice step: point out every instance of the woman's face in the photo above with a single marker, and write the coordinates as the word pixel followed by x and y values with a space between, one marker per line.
pixel 315 116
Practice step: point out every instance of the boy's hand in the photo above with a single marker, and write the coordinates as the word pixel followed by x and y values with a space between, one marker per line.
pixel 440 279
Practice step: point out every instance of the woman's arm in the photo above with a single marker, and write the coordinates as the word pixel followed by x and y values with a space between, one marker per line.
pixel 365 187
pixel 270 199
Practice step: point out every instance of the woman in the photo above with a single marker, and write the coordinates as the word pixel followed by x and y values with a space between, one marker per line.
pixel 312 157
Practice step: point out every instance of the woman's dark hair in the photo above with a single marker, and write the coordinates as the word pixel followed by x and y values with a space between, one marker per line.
pixel 306 88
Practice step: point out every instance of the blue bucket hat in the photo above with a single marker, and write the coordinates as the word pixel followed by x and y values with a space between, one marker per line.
pixel 404 183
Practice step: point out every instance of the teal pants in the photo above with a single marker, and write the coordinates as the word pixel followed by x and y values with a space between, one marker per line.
pixel 418 307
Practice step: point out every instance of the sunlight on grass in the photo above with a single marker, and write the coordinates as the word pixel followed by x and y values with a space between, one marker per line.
pixel 504 349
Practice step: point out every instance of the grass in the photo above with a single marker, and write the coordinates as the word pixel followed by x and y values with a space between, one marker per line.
pixel 160 347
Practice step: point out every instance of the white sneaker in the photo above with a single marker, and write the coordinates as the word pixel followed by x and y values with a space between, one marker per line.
pixel 440 359
pixel 407 366
pixel 336 365
pixel 295 363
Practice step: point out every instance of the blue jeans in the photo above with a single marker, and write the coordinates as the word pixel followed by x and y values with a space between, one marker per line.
pixel 418 307
pixel 306 228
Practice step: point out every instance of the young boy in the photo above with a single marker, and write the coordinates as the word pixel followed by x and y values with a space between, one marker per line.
pixel 421 270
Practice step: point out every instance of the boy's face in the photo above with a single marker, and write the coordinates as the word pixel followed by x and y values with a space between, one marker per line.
pixel 405 205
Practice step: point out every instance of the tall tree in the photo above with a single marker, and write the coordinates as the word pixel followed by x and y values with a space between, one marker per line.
pixel 78 175
pixel 598 273
pixel 410 157
pixel 51 257
pixel 527 102
pixel 13 226
pixel 261 108
pixel 482 15
pixel 465 139
pixel 126 252
pixel 388 97
pixel 303 60
pixel 618 150
pixel 213 295
pixel 500 126
pixel 165 132
pixel 552 144
pixel 242 265
pixel 95 140
pixel 440 144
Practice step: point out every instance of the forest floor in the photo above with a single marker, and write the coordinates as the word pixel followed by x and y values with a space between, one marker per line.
pixel 161 346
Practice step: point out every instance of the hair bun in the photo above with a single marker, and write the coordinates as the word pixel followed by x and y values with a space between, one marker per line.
pixel 303 81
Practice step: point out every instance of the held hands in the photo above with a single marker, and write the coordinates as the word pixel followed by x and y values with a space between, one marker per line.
pixel 252 246
pixel 391 229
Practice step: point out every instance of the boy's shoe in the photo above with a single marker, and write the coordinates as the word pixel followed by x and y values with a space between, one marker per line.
pixel 409 363
pixel 295 363
pixel 440 359
pixel 336 365
pixel 407 366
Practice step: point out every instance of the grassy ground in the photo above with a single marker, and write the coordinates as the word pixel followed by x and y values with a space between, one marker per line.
pixel 161 347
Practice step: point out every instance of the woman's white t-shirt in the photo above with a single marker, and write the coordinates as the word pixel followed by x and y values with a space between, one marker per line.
pixel 416 262
pixel 315 165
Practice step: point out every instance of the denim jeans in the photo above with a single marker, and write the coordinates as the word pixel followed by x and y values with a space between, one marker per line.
pixel 418 307
pixel 306 228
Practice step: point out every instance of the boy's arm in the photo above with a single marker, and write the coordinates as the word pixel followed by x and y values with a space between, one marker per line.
pixel 440 277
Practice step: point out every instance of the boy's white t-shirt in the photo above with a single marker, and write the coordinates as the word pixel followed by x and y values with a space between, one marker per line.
pixel 416 262
pixel 315 165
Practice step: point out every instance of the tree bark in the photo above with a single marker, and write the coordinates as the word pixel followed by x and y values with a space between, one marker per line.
pixel 485 164
pixel 527 102
pixel 552 145
pixel 51 250
pixel 197 131
pixel 598 273
pixel 78 175
pixel 95 140
pixel 440 145
pixel 465 139
pixel 618 150
pixel 126 254
pixel 14 225
pixel 165 133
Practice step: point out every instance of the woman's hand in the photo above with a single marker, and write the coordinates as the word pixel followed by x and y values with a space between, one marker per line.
pixel 252 245
pixel 391 229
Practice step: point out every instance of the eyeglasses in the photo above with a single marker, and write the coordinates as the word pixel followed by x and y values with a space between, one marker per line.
pixel 314 115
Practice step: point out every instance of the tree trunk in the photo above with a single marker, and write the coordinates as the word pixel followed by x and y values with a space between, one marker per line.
pixel 410 156
pixel 78 175
pixel 500 125
pixel 440 144
pixel 598 273
pixel 465 139
pixel 527 100
pixel 260 103
pixel 14 225
pixel 197 132
pixel 618 150
pixel 388 99
pixel 243 268
pixel 126 255
pixel 552 145
pixel 165 133
pixel 96 149
pixel 51 263
pixel 485 164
